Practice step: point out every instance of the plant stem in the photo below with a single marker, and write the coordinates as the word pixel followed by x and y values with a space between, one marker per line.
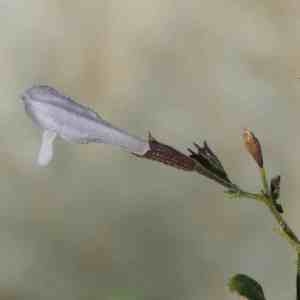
pixel 264 180
pixel 285 229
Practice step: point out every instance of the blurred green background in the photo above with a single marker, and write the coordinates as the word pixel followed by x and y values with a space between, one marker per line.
pixel 101 224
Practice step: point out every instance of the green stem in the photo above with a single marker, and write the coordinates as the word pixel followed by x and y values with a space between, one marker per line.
pixel 245 194
pixel 264 180
pixel 285 229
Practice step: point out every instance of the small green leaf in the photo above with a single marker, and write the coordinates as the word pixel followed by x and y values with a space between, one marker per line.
pixel 247 287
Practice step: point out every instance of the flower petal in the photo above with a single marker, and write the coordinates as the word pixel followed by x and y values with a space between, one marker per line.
pixel 46 150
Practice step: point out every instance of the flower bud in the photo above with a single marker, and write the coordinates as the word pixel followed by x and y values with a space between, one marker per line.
pixel 253 147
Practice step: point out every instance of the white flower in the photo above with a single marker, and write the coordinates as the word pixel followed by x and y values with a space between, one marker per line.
pixel 58 115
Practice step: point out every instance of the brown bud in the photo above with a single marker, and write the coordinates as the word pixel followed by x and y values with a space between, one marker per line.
pixel 253 147
pixel 168 155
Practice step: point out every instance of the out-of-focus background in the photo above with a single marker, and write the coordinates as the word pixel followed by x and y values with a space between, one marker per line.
pixel 101 224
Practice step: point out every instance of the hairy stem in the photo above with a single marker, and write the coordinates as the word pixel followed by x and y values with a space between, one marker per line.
pixel 264 180
pixel 285 229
